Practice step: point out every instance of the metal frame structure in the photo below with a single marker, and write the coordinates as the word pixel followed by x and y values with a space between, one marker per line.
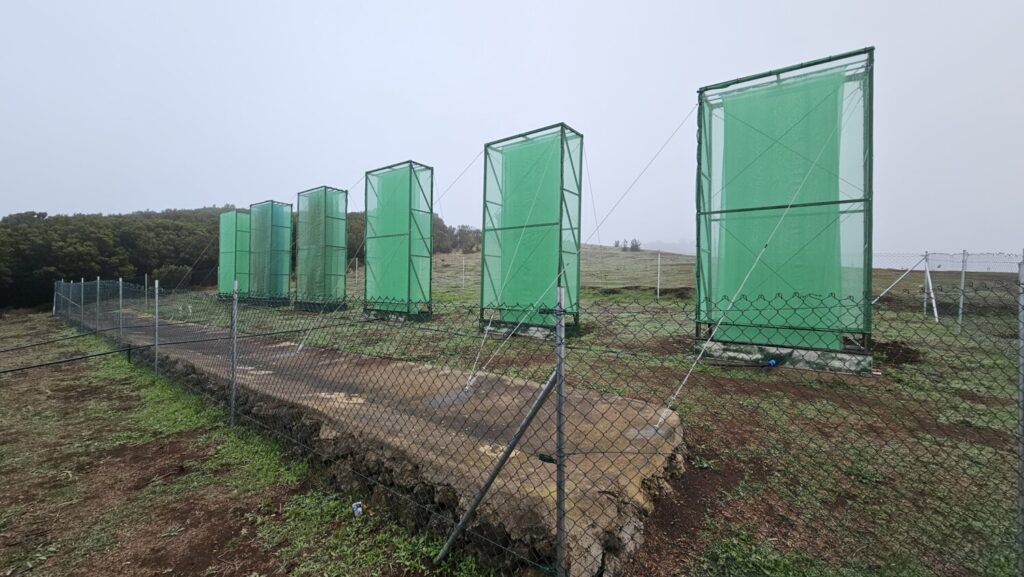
pixel 315 298
pixel 421 187
pixel 274 251
pixel 859 67
pixel 540 313
pixel 234 220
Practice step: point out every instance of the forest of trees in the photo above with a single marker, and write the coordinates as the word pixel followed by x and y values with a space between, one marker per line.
pixel 177 246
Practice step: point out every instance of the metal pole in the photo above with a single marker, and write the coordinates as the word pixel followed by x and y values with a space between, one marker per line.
pixel 97 303
pixel 82 300
pixel 120 307
pixel 55 288
pixel 71 297
pixel 963 278
pixel 1020 418
pixel 931 290
pixel 234 347
pixel 560 568
pixel 145 293
pixel 658 290
pixel 156 327
pixel 502 459
pixel 924 286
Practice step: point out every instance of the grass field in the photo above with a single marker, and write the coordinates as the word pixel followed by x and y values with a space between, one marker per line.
pixel 107 470
pixel 909 472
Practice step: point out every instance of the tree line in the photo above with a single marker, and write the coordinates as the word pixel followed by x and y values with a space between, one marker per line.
pixel 180 247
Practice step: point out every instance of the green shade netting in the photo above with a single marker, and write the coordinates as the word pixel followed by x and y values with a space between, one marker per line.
pixel 765 152
pixel 399 238
pixel 270 255
pixel 321 253
pixel 233 260
pixel 531 226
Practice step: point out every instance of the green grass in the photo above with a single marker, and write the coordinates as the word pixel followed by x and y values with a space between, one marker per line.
pixel 876 467
pixel 321 533
pixel 742 554
pixel 107 406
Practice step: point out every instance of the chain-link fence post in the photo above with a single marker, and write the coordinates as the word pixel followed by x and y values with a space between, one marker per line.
pixel 97 303
pixel 145 293
pixel 657 290
pixel 1020 418
pixel 82 301
pixel 560 435
pixel 963 286
pixel 54 298
pixel 924 287
pixel 120 307
pixel 234 347
pixel 156 327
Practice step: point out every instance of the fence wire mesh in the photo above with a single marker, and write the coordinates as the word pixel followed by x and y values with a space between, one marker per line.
pixel 908 468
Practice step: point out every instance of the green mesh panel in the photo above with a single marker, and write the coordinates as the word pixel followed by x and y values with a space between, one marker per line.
pixel 321 254
pixel 531 225
pixel 399 238
pixel 270 255
pixel 233 261
pixel 783 169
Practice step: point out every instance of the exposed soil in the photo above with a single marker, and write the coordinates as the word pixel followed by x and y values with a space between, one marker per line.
pixel 897 353
pixel 987 400
pixel 207 535
pixel 895 414
pixel 673 532
pixel 73 496
pixel 682 293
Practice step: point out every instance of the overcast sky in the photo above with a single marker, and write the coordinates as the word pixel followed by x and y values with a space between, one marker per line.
pixel 122 106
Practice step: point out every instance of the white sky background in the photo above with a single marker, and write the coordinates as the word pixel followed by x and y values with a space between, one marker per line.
pixel 122 106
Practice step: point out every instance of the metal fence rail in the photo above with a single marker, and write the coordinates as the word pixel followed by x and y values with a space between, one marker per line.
pixel 911 468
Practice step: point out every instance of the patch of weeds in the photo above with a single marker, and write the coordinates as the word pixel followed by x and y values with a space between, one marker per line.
pixel 321 535
pixel 700 462
pixel 864 474
pixel 166 410
pixel 744 554
pixel 306 520
pixel 248 461
pixel 5 519
pixel 172 531
pixel 96 540
pixel 33 559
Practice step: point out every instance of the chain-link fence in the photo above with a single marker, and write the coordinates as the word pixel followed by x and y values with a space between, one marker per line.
pixel 904 462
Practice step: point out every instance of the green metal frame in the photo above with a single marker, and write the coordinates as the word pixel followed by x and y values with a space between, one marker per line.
pixel 276 298
pixel 239 233
pixel 707 96
pixel 319 298
pixel 409 307
pixel 567 231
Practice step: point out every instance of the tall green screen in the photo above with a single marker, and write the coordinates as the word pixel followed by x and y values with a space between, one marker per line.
pixel 784 206
pixel 233 259
pixel 270 252
pixel 321 253
pixel 399 238
pixel 531 226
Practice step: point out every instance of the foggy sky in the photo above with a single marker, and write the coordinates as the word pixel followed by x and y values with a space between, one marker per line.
pixel 120 106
